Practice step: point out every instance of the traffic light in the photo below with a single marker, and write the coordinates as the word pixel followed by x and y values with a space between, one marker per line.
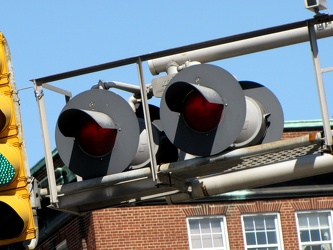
pixel 205 110
pixel 16 217
pixel 98 134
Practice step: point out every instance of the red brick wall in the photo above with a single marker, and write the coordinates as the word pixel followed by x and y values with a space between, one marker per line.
pixel 292 134
pixel 149 227
pixel 78 233
pixel 164 227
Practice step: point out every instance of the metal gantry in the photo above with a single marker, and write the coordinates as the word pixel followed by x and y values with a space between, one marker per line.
pixel 172 178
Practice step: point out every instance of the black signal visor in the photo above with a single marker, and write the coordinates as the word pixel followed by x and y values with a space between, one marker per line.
pixel 178 91
pixel 69 121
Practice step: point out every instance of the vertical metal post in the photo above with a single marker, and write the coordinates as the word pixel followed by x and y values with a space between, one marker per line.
pixel 47 145
pixel 147 121
pixel 320 86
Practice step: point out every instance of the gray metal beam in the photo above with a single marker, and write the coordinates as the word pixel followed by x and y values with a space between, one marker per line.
pixel 132 186
pixel 273 40
pixel 47 144
pixel 178 50
pixel 320 86
pixel 301 167
pixel 102 196
pixel 226 161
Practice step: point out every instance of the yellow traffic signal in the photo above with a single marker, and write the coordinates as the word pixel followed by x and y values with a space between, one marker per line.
pixel 16 216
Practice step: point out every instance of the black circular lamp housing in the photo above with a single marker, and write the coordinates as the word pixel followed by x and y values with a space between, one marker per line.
pixel 203 110
pixel 97 134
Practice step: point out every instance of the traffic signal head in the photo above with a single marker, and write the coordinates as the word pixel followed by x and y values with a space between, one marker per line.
pixel 201 107
pixel 16 217
pixel 205 110
pixel 97 134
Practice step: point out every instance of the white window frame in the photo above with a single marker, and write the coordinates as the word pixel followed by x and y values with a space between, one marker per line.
pixel 278 230
pixel 304 244
pixel 224 231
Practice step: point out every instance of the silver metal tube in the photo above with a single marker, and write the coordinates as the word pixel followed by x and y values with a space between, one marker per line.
pixel 64 92
pixel 238 48
pixel 47 145
pixel 118 85
pixel 320 87
pixel 144 98
pixel 108 180
pixel 214 164
pixel 305 166
pixel 133 185
pixel 189 168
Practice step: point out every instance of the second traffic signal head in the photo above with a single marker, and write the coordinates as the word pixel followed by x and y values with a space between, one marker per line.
pixel 97 134
pixel 205 110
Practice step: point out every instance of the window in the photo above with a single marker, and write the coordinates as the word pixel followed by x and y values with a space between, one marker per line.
pixel 315 230
pixel 207 233
pixel 262 232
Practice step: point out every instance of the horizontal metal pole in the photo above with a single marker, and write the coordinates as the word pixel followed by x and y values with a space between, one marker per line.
pixel 135 89
pixel 114 195
pixel 122 193
pixel 109 180
pixel 58 90
pixel 301 167
pixel 218 163
pixel 113 190
pixel 188 168
pixel 325 70
pixel 238 48
pixel 178 50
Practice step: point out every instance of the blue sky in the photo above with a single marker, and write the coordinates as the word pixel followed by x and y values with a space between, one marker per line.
pixel 49 37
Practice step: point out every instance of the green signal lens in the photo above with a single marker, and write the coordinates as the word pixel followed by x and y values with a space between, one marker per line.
pixel 7 171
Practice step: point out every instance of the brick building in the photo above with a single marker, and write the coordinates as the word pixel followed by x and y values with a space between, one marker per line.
pixel 290 215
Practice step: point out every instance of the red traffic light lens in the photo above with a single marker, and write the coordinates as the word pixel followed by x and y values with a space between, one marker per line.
pixel 199 114
pixel 95 140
